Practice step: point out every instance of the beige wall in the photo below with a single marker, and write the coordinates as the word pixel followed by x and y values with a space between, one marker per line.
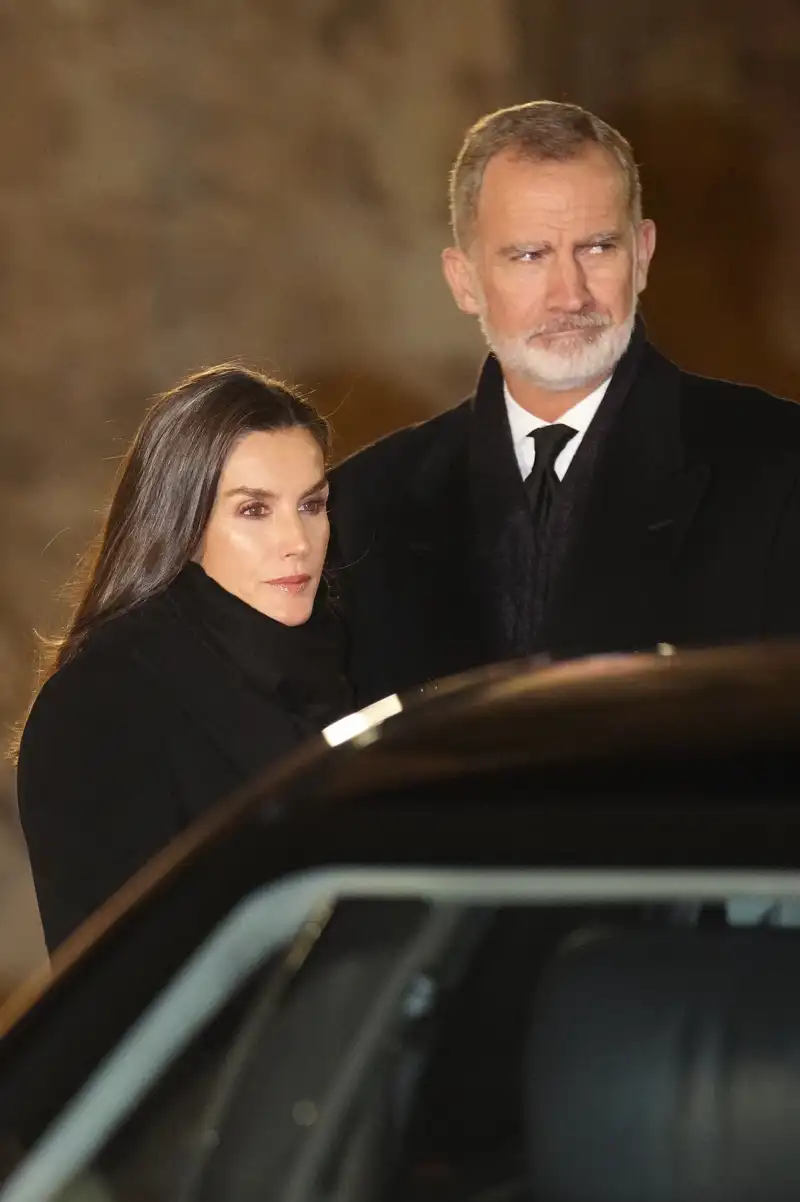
pixel 182 183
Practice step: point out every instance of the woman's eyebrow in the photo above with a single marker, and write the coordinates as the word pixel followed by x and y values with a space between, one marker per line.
pixel 258 494
pixel 264 494
pixel 318 487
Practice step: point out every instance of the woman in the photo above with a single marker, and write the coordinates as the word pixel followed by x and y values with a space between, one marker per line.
pixel 201 648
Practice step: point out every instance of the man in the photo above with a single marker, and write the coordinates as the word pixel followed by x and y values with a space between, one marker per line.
pixel 590 496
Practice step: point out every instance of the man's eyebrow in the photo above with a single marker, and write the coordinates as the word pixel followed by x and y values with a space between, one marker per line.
pixel 513 249
pixel 601 236
pixel 264 494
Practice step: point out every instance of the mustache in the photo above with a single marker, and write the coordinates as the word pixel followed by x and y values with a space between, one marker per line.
pixel 586 321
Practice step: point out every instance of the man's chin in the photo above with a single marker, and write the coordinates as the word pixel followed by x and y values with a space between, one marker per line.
pixel 564 383
pixel 555 375
pixel 563 366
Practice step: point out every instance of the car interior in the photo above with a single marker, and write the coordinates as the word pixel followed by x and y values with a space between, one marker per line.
pixel 525 1053
pixel 634 1058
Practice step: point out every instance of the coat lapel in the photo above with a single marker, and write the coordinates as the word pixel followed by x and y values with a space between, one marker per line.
pixel 246 727
pixel 435 569
pixel 617 582
pixel 498 510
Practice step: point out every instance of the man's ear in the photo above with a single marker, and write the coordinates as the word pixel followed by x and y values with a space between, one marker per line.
pixel 645 249
pixel 459 272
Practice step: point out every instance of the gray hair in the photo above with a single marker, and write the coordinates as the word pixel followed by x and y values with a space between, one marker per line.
pixel 540 130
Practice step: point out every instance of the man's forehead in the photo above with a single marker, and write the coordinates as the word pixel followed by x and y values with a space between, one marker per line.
pixel 587 186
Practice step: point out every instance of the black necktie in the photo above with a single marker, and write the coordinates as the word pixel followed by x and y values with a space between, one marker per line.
pixel 542 483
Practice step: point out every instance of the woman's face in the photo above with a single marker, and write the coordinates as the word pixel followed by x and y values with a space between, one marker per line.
pixel 267 535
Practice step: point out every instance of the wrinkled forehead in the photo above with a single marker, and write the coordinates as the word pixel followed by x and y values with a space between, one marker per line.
pixel 584 194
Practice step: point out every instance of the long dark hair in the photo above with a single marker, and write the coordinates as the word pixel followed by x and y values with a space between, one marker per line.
pixel 166 489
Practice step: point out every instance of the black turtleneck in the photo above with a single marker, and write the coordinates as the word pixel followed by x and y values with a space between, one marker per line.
pixel 301 666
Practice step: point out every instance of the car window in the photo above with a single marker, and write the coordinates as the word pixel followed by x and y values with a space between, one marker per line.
pixel 354 1035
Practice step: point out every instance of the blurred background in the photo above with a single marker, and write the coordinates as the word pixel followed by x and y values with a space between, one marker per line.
pixel 186 182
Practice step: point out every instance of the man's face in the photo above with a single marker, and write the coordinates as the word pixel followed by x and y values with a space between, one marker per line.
pixel 554 267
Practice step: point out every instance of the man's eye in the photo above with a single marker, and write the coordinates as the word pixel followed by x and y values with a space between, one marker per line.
pixel 599 248
pixel 529 256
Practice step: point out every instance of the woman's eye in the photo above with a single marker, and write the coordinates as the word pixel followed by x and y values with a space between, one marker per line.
pixel 315 505
pixel 254 509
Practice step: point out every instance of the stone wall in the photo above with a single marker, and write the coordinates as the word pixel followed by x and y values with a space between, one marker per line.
pixel 183 183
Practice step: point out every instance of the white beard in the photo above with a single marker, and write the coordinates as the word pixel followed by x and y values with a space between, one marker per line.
pixel 568 363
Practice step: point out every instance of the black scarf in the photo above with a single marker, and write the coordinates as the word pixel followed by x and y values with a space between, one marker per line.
pixel 301 666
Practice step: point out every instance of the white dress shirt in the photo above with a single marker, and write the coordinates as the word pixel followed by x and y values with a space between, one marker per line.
pixel 523 423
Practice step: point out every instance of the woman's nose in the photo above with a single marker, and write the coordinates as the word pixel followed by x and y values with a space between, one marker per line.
pixel 294 539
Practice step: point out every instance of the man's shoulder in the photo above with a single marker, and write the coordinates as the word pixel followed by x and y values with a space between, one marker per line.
pixel 742 414
pixel 412 445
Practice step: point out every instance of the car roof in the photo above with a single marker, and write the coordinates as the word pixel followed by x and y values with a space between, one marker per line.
pixel 559 716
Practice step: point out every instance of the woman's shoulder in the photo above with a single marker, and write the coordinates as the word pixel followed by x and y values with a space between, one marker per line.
pixel 102 681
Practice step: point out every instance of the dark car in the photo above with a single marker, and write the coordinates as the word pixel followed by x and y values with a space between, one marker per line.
pixel 533 936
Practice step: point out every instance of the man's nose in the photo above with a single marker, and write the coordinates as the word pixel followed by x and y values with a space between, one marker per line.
pixel 567 288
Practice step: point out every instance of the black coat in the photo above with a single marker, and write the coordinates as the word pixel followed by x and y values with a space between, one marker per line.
pixel 687 532
pixel 126 745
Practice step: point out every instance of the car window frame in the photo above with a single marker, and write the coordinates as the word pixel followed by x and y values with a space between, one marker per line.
pixel 268 920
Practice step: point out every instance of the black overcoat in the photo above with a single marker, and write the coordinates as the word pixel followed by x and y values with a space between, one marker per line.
pixel 687 531
pixel 126 745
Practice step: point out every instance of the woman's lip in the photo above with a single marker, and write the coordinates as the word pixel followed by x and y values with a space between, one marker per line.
pixel 290 583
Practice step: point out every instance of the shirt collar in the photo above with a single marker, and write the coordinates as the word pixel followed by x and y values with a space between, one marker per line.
pixel 579 417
